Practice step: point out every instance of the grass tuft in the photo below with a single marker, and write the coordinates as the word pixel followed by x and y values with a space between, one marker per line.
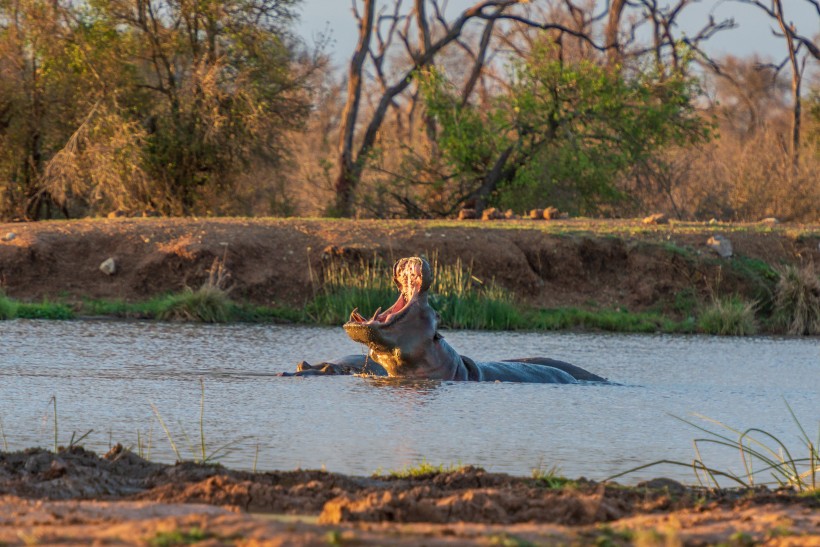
pixel 728 316
pixel 762 454
pixel 8 307
pixel 208 304
pixel 551 478
pixel 422 469
pixel 797 300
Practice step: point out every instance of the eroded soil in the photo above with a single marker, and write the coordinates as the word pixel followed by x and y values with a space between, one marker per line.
pixel 78 497
pixel 575 262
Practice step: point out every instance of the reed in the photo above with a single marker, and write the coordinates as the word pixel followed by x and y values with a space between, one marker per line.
pixel 200 453
pixel 728 316
pixel 797 299
pixel 761 453
pixel 208 304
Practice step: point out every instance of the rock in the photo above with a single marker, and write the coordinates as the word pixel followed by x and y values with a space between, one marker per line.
pixel 9 236
pixel 509 215
pixel 551 213
pixel 491 213
pixel 720 245
pixel 771 221
pixel 119 213
pixel 537 214
pixel 467 214
pixel 657 218
pixel 109 266
pixel 150 213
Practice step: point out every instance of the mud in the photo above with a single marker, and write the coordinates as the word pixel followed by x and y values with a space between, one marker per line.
pixel 575 262
pixel 78 497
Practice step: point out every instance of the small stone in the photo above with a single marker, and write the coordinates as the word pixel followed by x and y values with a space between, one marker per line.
pixel 109 266
pixel 551 213
pixel 720 245
pixel 510 215
pixel 9 236
pixel 657 218
pixel 118 213
pixel 536 214
pixel 491 213
pixel 467 214
pixel 770 221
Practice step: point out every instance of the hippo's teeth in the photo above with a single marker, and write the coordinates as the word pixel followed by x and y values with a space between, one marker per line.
pixel 355 316
pixel 376 314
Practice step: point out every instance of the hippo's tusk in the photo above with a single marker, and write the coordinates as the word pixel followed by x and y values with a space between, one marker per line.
pixel 355 316
pixel 376 314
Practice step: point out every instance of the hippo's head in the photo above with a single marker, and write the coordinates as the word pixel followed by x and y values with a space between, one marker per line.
pixel 405 327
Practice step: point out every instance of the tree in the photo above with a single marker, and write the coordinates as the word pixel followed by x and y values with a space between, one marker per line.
pixel 562 133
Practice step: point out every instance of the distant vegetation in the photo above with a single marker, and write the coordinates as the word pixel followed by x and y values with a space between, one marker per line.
pixel 464 302
pixel 215 108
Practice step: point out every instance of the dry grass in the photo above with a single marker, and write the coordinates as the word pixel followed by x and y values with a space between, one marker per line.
pixel 797 299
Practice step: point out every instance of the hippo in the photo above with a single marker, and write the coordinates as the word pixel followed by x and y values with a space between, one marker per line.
pixel 404 342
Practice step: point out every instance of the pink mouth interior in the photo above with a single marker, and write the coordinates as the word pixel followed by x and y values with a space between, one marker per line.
pixel 409 279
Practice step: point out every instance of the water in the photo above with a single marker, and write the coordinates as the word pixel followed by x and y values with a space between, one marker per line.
pixel 106 376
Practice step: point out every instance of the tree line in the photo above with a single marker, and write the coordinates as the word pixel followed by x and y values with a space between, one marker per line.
pixel 199 107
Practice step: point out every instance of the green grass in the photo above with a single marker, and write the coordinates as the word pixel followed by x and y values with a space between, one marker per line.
pixel 179 537
pixel 421 469
pixel 8 307
pixel 728 316
pixel 551 478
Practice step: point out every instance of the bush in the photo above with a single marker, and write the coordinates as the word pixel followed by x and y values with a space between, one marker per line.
pixel 728 316
pixel 8 307
pixel 797 299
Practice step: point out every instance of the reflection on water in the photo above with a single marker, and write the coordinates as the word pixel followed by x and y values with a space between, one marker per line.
pixel 106 375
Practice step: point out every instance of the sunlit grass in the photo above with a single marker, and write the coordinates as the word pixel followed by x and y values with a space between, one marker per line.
pixel 728 316
pixel 766 459
pixel 797 299
pixel 421 469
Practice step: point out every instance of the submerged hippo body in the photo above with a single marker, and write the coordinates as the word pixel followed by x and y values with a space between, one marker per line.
pixel 404 342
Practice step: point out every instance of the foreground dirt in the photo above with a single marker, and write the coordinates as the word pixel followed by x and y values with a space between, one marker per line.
pixel 573 262
pixel 77 497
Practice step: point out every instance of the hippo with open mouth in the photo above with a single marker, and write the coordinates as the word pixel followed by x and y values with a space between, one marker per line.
pixel 404 342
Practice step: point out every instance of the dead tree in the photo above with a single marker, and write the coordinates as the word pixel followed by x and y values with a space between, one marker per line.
pixel 795 42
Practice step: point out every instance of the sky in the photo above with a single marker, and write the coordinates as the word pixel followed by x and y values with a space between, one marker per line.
pixel 753 34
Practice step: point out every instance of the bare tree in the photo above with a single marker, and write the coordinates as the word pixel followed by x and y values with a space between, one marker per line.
pixel 795 42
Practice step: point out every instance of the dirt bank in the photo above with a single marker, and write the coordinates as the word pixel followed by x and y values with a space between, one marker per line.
pixel 576 262
pixel 77 497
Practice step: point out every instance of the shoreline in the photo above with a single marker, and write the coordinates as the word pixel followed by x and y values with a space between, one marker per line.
pixel 78 496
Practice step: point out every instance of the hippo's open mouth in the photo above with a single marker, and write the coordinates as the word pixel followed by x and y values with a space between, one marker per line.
pixel 412 276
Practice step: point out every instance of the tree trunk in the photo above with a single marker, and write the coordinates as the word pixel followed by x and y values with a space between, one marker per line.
pixel 348 172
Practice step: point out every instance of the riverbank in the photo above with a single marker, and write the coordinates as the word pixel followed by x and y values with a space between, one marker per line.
pixel 578 270
pixel 78 497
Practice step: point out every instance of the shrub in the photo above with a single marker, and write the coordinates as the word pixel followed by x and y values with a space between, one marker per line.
pixel 728 316
pixel 797 299
pixel 8 307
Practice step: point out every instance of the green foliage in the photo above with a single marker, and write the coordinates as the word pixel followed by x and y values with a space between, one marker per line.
pixel 116 105
pixel 797 300
pixel 205 305
pixel 728 316
pixel 422 469
pixel 177 537
pixel 8 307
pixel 551 478
pixel 563 132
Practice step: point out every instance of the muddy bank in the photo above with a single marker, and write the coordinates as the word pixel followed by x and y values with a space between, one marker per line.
pixel 78 495
pixel 576 262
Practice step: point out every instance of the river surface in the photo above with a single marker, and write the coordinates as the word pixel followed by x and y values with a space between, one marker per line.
pixel 106 375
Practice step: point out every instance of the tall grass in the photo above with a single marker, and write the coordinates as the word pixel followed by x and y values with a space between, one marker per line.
pixel 8 307
pixel 766 459
pixel 200 451
pixel 208 304
pixel 728 316
pixel 797 299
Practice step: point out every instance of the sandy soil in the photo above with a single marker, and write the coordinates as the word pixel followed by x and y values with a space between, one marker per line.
pixel 78 497
pixel 278 261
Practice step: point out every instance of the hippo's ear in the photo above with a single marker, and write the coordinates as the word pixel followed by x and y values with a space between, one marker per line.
pixel 397 267
pixel 426 275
